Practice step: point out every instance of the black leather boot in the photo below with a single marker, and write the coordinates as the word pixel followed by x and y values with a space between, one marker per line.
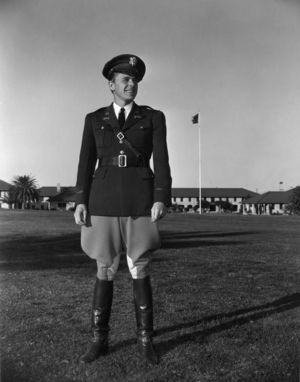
pixel 142 293
pixel 102 302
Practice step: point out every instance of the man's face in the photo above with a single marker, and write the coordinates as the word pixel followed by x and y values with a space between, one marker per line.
pixel 124 88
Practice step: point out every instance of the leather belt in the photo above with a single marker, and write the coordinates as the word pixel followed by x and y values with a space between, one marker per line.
pixel 123 160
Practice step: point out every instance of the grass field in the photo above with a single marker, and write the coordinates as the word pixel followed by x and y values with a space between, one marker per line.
pixel 227 301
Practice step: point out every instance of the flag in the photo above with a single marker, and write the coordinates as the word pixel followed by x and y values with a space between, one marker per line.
pixel 196 119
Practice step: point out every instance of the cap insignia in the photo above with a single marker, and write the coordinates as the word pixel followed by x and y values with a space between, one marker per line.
pixel 132 61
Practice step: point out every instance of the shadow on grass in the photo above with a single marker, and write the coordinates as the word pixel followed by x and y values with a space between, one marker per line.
pixel 32 252
pixel 236 318
pixel 56 252
pixel 42 253
pixel 173 239
pixel 201 234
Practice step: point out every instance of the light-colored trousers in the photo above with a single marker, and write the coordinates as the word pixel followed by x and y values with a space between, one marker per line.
pixel 105 238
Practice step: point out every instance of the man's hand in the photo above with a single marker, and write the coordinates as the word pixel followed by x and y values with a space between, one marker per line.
pixel 158 211
pixel 80 214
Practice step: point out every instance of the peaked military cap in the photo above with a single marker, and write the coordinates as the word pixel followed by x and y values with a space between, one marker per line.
pixel 125 63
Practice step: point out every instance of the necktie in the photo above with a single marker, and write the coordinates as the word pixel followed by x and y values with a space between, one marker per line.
pixel 121 117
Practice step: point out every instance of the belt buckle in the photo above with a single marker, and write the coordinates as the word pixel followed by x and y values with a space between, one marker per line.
pixel 122 160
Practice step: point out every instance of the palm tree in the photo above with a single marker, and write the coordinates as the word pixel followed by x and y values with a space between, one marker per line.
pixel 25 190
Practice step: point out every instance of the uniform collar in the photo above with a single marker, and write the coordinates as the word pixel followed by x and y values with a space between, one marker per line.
pixel 127 108
pixel 134 116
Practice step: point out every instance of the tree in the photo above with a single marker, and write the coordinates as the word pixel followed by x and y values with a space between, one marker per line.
pixel 294 205
pixel 224 205
pixel 24 190
pixel 205 205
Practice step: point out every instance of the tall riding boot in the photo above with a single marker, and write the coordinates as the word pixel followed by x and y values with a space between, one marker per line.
pixel 102 302
pixel 142 293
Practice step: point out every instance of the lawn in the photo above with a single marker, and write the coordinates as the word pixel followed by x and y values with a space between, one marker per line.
pixel 226 301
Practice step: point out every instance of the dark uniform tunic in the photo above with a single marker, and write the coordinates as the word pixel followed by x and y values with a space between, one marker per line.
pixel 123 191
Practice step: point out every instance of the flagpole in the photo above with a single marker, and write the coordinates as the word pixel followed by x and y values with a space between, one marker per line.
pixel 196 120
pixel 200 172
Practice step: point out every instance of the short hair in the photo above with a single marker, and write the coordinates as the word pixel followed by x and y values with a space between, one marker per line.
pixel 111 79
pixel 112 76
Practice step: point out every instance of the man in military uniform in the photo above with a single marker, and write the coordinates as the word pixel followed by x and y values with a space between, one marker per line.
pixel 120 200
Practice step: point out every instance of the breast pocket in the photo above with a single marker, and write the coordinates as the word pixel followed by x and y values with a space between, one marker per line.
pixel 141 134
pixel 103 136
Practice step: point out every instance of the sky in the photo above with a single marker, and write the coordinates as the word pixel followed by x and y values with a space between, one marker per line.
pixel 234 61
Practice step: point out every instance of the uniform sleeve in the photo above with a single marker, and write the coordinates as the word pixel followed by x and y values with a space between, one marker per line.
pixel 87 163
pixel 162 174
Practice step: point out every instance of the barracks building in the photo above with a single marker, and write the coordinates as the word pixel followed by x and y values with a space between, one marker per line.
pixel 213 200
pixel 240 200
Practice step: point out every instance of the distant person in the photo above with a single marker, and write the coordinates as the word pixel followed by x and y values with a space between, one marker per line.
pixel 120 201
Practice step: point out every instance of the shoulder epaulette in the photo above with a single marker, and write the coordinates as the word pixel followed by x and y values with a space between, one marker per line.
pixel 146 107
pixel 101 109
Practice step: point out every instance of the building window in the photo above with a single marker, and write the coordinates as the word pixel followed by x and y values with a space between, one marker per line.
pixel 181 199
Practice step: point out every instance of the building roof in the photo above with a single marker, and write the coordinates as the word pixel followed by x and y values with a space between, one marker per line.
pixel 271 197
pixel 185 192
pixel 67 195
pixel 4 186
pixel 50 190
pixel 212 193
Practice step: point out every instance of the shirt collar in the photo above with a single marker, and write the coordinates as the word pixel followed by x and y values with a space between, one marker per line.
pixel 127 108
